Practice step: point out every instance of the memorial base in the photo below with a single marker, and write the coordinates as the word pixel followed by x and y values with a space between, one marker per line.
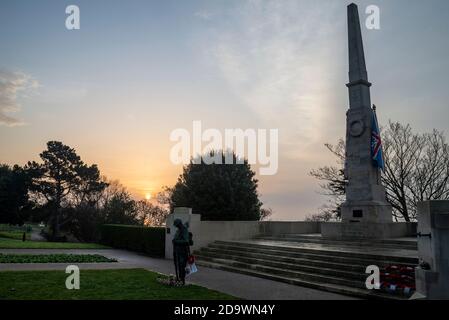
pixel 360 230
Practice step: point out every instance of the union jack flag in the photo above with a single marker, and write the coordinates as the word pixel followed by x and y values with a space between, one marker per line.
pixel 376 144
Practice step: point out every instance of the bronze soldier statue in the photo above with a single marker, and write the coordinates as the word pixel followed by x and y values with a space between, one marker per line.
pixel 181 250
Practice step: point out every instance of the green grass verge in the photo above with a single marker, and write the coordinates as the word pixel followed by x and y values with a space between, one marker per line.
pixel 124 284
pixel 19 244
pixel 53 258
pixel 14 235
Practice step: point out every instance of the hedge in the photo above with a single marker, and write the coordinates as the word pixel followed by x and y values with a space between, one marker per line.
pixel 150 240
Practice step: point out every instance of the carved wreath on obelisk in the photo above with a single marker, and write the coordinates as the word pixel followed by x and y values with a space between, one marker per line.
pixel 356 127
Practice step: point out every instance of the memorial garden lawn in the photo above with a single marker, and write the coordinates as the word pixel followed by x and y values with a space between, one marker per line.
pixel 118 284
pixel 7 243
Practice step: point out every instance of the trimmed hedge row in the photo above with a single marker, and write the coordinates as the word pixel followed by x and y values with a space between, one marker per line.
pixel 150 240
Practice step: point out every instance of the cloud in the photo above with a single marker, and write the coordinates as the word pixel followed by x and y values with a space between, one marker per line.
pixel 276 56
pixel 204 14
pixel 11 83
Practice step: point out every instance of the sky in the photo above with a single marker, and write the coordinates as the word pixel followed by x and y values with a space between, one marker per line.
pixel 137 70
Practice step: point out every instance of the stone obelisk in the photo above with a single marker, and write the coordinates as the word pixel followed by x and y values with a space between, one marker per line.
pixel 365 196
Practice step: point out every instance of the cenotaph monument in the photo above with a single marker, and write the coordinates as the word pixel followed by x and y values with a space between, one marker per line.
pixel 365 195
pixel 366 212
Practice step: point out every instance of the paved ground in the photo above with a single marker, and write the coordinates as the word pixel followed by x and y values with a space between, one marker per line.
pixel 36 235
pixel 238 285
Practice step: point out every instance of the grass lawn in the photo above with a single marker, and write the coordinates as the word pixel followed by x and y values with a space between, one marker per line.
pixel 124 284
pixel 6 243
pixel 53 258
pixel 14 235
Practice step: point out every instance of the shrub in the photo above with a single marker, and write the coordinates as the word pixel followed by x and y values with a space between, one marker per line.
pixel 219 192
pixel 53 258
pixel 150 240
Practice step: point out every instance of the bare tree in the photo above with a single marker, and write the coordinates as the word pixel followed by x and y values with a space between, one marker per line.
pixel 430 179
pixel 416 169
pixel 164 198
pixel 402 151
pixel 325 215
pixel 151 214
pixel 114 188
pixel 333 184
pixel 265 214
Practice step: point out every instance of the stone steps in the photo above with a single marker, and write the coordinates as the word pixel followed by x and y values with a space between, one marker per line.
pixel 312 261
pixel 370 241
pixel 341 289
pixel 393 243
pixel 333 255
pixel 333 270
pixel 283 268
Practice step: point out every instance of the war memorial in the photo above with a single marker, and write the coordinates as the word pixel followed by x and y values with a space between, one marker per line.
pixel 413 257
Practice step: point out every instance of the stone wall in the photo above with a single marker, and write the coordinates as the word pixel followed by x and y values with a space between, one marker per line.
pixel 206 232
pixel 360 230
pixel 432 276
pixel 285 227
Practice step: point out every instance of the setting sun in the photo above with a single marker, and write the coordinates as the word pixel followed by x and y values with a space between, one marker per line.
pixel 148 196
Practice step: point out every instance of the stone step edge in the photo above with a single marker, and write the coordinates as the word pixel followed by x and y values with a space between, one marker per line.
pixel 298 261
pixel 339 242
pixel 272 270
pixel 321 254
pixel 342 274
pixel 310 250
pixel 354 292
pixel 323 259
pixel 375 241
pixel 302 276
pixel 325 266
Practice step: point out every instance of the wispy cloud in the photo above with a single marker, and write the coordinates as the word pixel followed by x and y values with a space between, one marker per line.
pixel 204 14
pixel 11 83
pixel 276 56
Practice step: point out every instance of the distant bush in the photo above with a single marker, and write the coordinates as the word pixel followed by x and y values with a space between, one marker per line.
pixel 53 258
pixel 150 240
pixel 14 228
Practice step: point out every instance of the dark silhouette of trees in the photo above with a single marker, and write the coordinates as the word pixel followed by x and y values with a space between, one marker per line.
pixel 112 205
pixel 265 214
pixel 120 209
pixel 14 201
pixel 218 191
pixel 62 179
pixel 416 169
pixel 150 214
pixel 71 197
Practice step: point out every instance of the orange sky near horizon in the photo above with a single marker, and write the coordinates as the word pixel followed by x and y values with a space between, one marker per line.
pixel 141 172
